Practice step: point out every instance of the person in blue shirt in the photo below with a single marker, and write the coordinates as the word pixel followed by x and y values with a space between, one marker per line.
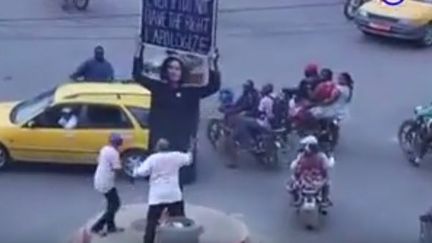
pixel 96 69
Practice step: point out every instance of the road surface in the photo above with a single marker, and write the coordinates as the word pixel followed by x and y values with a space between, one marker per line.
pixel 377 195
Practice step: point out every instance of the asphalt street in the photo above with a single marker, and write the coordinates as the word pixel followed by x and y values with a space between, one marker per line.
pixel 377 194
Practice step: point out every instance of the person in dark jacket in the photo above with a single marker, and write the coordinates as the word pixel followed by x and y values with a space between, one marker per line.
pixel 249 100
pixel 175 109
pixel 309 82
pixel 96 69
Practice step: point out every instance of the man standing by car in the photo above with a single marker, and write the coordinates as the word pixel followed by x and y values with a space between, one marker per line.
pixel 165 194
pixel 96 69
pixel 104 182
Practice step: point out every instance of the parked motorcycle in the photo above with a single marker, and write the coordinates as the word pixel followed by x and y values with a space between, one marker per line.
pixel 412 132
pixel 351 7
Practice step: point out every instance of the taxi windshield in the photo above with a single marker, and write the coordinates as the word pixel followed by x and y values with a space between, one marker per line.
pixel 28 109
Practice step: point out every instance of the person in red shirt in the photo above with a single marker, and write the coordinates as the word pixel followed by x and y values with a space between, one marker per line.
pixel 310 166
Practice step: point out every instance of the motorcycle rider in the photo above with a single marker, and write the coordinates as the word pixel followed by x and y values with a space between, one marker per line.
pixel 249 99
pixel 311 165
pixel 246 128
pixel 331 97
pixel 309 82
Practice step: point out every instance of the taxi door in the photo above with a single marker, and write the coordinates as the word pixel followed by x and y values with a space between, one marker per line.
pixel 99 122
pixel 44 141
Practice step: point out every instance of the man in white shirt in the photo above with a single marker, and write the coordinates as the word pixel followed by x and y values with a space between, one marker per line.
pixel 165 193
pixel 68 119
pixel 104 182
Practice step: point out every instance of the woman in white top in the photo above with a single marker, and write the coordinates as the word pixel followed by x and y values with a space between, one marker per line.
pixel 164 193
pixel 342 98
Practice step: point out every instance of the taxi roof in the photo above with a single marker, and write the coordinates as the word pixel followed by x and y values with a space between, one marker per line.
pixel 119 93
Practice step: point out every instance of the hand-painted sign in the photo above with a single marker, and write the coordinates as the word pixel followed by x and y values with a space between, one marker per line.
pixel 184 25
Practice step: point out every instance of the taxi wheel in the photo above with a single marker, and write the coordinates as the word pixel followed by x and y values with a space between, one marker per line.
pixel 132 159
pixel 4 157
pixel 426 41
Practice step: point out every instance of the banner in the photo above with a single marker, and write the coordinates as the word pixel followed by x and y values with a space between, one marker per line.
pixel 184 28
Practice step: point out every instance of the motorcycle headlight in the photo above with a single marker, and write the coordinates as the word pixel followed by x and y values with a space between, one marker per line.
pixel 418 109
pixel 362 13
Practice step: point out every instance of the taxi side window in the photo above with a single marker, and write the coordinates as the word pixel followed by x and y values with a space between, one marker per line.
pixel 50 118
pixel 105 117
pixel 141 115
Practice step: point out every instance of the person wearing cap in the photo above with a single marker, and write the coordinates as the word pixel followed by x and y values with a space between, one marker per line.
pixel 68 119
pixel 311 165
pixel 164 194
pixel 104 182
pixel 96 69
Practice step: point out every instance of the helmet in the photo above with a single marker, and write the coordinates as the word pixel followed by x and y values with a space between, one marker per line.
pixel 116 139
pixel 311 69
pixel 310 144
pixel 226 96
pixel 309 140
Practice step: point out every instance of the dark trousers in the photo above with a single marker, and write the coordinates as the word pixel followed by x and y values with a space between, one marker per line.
pixel 113 204
pixel 246 129
pixel 154 213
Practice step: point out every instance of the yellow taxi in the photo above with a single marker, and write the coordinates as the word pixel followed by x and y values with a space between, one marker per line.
pixel 70 123
pixel 410 20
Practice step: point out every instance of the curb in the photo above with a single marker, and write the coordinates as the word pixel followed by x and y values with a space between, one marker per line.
pixel 83 234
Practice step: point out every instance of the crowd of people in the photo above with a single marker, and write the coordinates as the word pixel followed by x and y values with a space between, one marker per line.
pixel 317 97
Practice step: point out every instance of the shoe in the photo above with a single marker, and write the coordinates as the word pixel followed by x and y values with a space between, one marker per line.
pixel 116 230
pixel 416 161
pixel 326 203
pixel 99 233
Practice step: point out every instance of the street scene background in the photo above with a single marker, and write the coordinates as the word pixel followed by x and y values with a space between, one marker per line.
pixel 378 196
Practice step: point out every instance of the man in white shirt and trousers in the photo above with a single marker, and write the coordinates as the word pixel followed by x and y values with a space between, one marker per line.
pixel 164 193
pixel 104 182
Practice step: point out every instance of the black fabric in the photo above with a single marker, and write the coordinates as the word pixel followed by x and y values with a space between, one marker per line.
pixel 248 102
pixel 154 213
pixel 107 219
pixel 306 87
pixel 174 113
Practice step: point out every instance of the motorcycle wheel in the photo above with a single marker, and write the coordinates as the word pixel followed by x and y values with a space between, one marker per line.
pixel 81 4
pixel 351 7
pixel 270 157
pixel 408 139
pixel 214 131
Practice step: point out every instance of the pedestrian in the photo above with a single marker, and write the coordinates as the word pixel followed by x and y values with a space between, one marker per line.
pixel 96 69
pixel 104 182
pixel 175 108
pixel 164 194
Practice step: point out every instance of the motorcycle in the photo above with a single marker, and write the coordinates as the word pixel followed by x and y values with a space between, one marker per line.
pixel 351 7
pixel 267 146
pixel 413 132
pixel 327 131
pixel 310 208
